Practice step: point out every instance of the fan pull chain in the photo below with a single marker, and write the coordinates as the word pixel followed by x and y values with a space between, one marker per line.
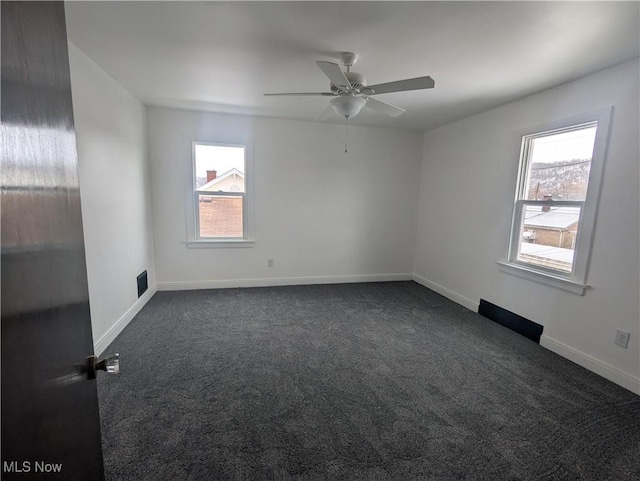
pixel 346 136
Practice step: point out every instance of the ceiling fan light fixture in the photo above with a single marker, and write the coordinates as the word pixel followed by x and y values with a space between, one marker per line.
pixel 348 106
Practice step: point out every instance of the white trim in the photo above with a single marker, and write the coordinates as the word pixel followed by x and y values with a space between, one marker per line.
pixel 605 370
pixel 279 281
pixel 448 293
pixel 537 275
pixel 107 338
pixel 215 244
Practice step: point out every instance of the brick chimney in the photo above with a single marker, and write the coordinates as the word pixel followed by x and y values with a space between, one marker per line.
pixel 546 207
pixel 211 174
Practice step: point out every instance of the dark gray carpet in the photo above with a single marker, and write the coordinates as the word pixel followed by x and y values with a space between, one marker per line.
pixel 380 381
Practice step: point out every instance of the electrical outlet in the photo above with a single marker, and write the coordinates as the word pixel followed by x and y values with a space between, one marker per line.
pixel 269 262
pixel 622 338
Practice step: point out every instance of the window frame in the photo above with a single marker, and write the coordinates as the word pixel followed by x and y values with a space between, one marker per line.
pixel 194 240
pixel 576 280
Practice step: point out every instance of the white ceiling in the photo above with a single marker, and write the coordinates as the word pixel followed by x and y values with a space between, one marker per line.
pixel 223 56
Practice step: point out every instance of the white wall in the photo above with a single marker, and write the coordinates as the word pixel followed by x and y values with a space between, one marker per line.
pixel 467 189
pixel 321 214
pixel 115 194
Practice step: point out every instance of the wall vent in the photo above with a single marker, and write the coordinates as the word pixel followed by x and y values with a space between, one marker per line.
pixel 143 283
pixel 519 324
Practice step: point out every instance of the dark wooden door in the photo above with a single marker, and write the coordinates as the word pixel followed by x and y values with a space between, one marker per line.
pixel 50 423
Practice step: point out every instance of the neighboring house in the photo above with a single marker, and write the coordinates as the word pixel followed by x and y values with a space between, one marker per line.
pixel 220 215
pixel 231 181
pixel 551 226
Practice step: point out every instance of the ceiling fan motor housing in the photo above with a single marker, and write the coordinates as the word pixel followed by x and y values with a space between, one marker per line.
pixel 356 80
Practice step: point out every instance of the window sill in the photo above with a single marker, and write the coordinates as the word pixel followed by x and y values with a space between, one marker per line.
pixel 215 244
pixel 543 278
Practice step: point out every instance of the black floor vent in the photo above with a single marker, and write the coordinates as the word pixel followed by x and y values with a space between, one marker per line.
pixel 143 283
pixel 513 321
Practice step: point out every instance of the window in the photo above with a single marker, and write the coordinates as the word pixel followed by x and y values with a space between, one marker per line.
pixel 220 193
pixel 556 198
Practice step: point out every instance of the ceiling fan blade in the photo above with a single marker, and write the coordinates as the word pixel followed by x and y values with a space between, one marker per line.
pixel 383 107
pixel 324 94
pixel 417 83
pixel 335 73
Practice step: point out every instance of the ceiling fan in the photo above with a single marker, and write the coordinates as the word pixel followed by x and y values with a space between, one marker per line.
pixel 352 93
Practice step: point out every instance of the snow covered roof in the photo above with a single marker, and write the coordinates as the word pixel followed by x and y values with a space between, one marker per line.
pixel 547 252
pixel 555 218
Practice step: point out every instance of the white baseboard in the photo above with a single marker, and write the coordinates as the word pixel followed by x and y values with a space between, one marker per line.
pixel 601 368
pixel 279 281
pixel 107 338
pixel 605 370
pixel 448 293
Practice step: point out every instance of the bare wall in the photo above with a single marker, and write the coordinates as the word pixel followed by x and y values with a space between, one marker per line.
pixel 466 194
pixel 321 214
pixel 115 195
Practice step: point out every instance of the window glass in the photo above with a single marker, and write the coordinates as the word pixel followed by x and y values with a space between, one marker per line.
pixel 560 164
pixel 548 236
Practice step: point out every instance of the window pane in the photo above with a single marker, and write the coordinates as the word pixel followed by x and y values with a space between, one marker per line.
pixel 559 165
pixel 220 216
pixel 548 236
pixel 219 168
